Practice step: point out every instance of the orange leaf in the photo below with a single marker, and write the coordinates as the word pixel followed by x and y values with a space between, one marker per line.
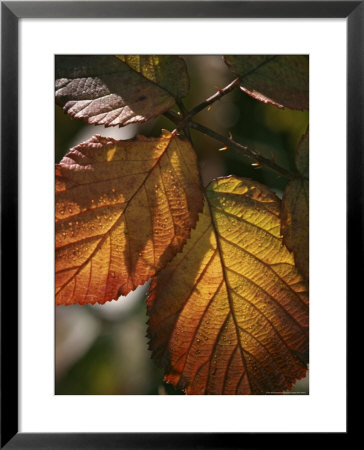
pixel 123 210
pixel 229 315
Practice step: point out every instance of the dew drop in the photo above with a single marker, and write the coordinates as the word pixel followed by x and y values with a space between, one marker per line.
pixel 112 274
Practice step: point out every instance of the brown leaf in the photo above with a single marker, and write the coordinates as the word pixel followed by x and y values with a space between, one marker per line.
pixel 110 90
pixel 282 80
pixel 123 210
pixel 229 315
pixel 295 210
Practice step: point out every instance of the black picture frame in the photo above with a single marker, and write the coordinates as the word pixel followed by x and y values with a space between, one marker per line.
pixel 11 12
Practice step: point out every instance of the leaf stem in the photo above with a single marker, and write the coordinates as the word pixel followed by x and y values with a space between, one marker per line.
pixel 173 117
pixel 245 150
pixel 178 120
pixel 182 107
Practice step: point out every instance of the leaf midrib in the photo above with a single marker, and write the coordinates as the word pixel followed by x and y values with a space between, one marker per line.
pixel 230 300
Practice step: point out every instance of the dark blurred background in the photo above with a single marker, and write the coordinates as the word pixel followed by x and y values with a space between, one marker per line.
pixel 102 349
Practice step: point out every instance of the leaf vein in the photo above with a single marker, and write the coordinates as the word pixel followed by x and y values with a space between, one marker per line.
pixel 247 222
pixel 269 267
pixel 266 318
pixel 269 295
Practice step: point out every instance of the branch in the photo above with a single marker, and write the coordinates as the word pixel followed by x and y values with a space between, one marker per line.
pixel 173 117
pixel 245 150
pixel 220 93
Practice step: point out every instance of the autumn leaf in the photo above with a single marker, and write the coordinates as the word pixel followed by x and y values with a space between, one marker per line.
pixel 281 80
pixel 295 210
pixel 123 210
pixel 302 155
pixel 229 315
pixel 119 90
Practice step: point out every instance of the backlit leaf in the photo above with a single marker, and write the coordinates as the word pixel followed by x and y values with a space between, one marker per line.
pixel 229 315
pixel 123 210
pixel 302 155
pixel 281 80
pixel 295 210
pixel 110 90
